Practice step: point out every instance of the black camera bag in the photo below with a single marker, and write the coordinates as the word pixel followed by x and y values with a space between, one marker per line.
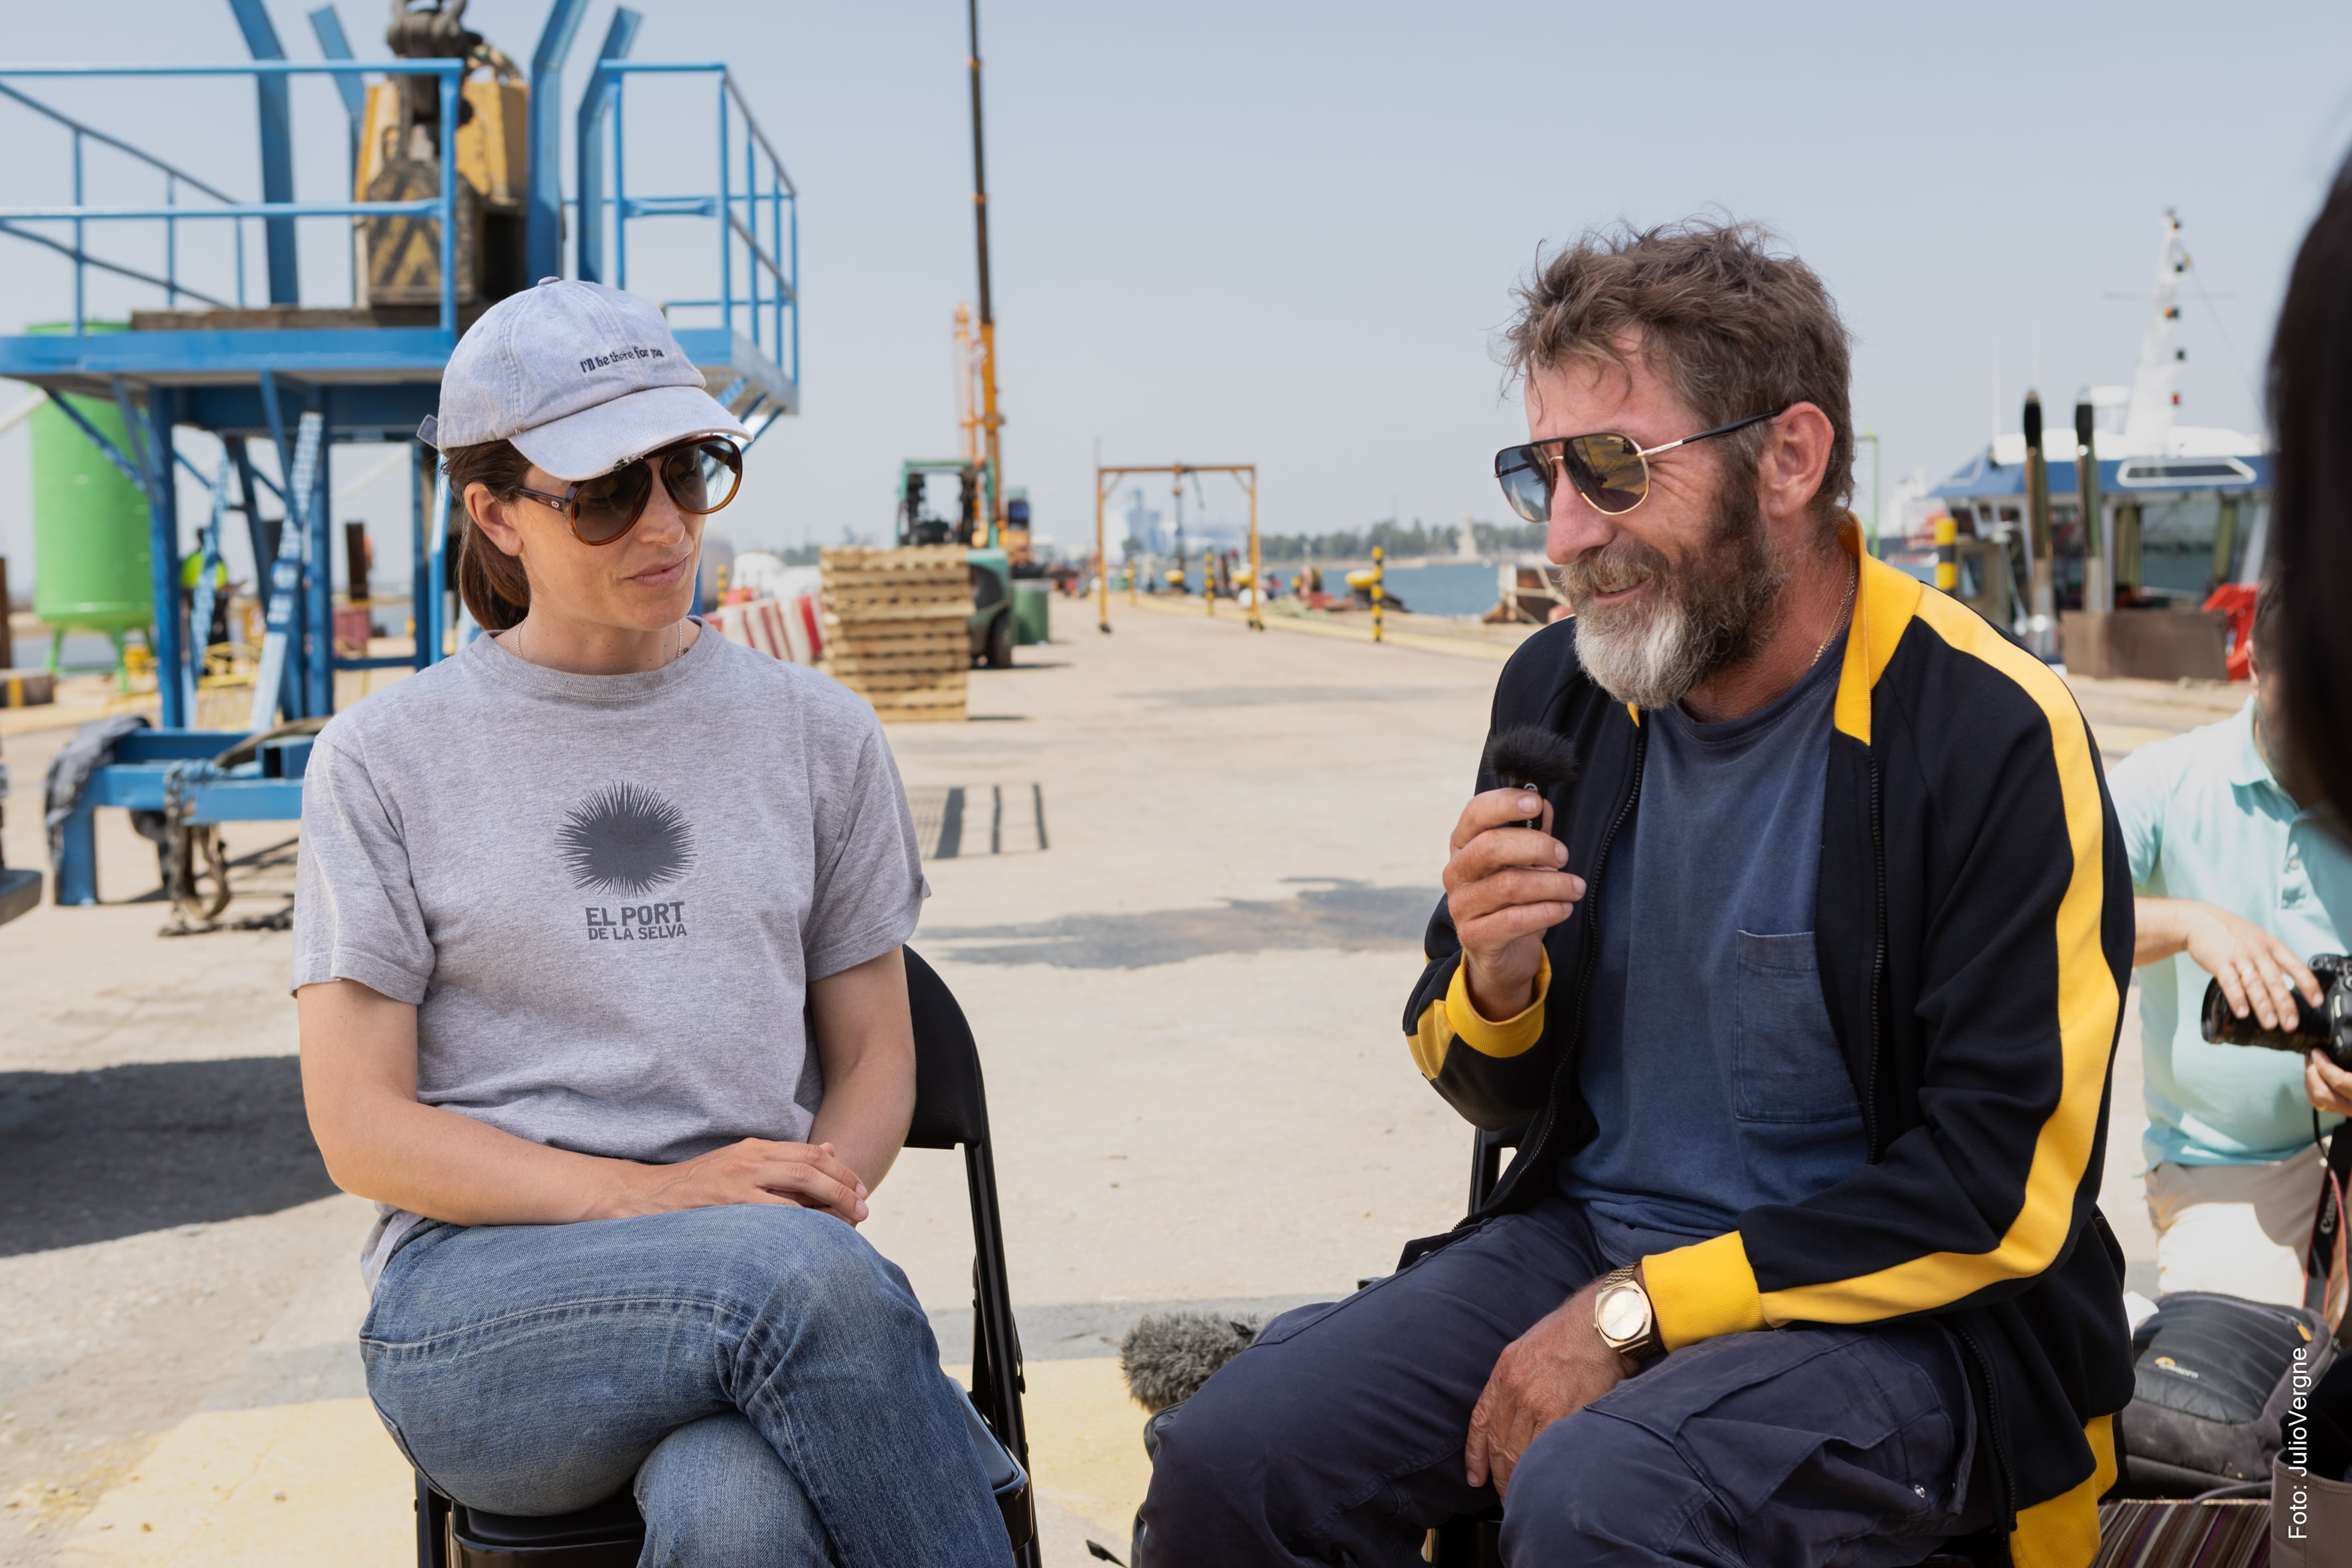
pixel 2212 1376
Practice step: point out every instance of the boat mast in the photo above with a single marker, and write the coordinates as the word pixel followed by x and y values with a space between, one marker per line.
pixel 2149 421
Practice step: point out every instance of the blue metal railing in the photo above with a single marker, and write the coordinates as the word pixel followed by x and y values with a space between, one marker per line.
pixel 440 209
pixel 756 208
pixel 173 178
pixel 754 211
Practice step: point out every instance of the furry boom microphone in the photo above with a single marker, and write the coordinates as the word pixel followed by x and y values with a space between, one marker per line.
pixel 1530 757
pixel 1167 1356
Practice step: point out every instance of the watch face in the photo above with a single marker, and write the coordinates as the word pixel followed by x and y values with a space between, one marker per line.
pixel 1623 1313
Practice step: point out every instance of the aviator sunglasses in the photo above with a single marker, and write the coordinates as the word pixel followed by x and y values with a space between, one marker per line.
pixel 1609 471
pixel 700 476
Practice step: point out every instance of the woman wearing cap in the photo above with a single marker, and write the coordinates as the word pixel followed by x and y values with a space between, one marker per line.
pixel 562 900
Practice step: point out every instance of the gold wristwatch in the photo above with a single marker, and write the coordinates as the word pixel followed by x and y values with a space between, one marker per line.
pixel 1623 1316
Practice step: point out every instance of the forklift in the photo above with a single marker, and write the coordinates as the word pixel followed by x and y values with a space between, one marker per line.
pixel 991 568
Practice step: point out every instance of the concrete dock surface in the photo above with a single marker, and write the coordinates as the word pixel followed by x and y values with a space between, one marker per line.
pixel 1192 872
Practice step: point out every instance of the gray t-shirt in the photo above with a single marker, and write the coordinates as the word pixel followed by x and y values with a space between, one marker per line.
pixel 1709 1059
pixel 606 895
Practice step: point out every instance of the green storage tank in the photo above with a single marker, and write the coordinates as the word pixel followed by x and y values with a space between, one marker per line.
pixel 91 558
pixel 1033 601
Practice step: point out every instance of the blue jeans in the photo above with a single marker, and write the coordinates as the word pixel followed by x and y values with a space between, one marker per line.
pixel 1337 1435
pixel 765 1379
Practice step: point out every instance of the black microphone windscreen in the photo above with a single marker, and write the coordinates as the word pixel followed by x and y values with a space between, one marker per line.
pixel 1531 754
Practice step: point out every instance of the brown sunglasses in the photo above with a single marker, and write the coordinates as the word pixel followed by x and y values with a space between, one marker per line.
pixel 700 475
pixel 1609 471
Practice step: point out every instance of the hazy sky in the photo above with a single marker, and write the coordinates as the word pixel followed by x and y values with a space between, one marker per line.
pixel 1286 232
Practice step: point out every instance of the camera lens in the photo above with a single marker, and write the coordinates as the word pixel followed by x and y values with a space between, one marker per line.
pixel 2313 1027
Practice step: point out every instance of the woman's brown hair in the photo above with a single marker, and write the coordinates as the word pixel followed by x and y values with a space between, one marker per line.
pixel 490 581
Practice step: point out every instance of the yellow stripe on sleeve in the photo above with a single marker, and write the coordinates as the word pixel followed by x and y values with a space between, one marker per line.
pixel 1510 1038
pixel 2089 1003
pixel 2063 1532
pixel 1430 1040
pixel 1702 1291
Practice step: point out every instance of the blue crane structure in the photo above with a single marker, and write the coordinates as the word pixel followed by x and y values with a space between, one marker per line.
pixel 299 378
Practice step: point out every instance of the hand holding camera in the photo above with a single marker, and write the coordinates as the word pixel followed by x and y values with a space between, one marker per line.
pixel 2320 1026
pixel 2259 977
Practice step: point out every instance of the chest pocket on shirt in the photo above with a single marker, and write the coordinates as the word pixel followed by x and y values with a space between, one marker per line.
pixel 1785 1061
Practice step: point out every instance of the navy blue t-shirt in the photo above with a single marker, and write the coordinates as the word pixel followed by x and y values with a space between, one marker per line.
pixel 1708 1058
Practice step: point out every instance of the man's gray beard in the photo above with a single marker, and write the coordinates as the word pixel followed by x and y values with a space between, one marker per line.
pixel 1711 612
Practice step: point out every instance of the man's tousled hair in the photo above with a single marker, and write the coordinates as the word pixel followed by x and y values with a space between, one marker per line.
pixel 1732 327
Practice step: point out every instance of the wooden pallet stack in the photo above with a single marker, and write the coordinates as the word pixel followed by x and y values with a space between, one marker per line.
pixel 897 628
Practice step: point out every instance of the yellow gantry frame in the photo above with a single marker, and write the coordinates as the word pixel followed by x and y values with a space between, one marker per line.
pixel 1106 479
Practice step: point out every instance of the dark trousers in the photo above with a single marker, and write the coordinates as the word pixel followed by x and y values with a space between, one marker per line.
pixel 1337 1438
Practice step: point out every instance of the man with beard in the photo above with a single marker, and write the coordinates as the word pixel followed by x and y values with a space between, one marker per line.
pixel 1802 994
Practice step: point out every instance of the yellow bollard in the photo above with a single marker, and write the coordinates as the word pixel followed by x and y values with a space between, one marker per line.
pixel 1379 574
pixel 1209 581
pixel 1947 554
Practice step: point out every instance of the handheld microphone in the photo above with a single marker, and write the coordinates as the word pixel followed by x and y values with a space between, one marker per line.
pixel 1532 758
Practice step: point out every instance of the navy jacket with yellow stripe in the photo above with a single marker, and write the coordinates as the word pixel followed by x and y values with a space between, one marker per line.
pixel 1973 924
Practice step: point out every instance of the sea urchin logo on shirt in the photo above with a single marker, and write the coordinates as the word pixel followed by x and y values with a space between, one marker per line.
pixel 624 839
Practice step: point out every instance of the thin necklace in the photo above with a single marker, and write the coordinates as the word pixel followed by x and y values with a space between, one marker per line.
pixel 677 640
pixel 1843 605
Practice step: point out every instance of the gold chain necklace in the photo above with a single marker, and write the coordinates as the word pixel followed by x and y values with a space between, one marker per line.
pixel 1843 605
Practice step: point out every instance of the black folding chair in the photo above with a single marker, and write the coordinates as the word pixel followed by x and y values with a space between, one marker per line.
pixel 950 1110
pixel 1475 1540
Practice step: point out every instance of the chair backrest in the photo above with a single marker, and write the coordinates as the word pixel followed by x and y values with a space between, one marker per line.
pixel 1486 1161
pixel 950 1107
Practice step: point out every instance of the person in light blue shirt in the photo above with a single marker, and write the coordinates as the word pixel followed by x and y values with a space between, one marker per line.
pixel 2239 881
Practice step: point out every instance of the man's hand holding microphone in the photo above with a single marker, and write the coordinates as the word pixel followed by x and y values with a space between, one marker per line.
pixel 1506 883
pixel 1507 877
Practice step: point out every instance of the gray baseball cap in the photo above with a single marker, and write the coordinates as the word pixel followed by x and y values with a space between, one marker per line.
pixel 582 378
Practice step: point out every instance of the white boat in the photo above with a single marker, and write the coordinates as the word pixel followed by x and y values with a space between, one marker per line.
pixel 2183 508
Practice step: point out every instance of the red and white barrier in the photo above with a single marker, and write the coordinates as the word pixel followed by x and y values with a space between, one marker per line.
pixel 786 628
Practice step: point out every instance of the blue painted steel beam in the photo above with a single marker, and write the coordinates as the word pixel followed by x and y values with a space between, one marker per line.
pixel 170 630
pixel 670 207
pixel 99 439
pixel 327 28
pixel 277 149
pixel 589 141
pixel 274 210
pixel 248 498
pixel 290 549
pixel 140 787
pixel 276 66
pixel 543 217
pixel 174 745
pixel 349 353
pixel 390 411
pixel 320 511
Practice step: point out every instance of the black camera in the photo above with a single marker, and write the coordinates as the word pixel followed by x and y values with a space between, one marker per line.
pixel 2327 1027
